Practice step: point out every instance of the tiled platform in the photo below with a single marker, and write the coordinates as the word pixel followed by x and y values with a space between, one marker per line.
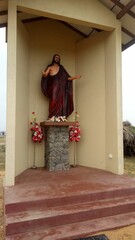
pixel 68 204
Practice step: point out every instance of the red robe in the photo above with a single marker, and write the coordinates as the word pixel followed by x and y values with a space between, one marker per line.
pixel 60 92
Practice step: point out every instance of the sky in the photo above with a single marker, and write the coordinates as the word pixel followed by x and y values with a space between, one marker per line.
pixel 3 84
pixel 128 82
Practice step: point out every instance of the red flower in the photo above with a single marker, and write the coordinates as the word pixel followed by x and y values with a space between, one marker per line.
pixel 74 133
pixel 37 132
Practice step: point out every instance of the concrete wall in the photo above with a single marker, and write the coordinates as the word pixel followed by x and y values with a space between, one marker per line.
pixel 90 101
pixel 11 95
pixel 87 12
pixel 113 100
pixel 98 100
pixel 22 99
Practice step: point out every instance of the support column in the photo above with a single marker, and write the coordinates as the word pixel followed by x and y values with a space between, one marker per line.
pixel 11 95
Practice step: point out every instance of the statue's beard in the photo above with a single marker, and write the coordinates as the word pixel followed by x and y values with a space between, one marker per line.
pixel 57 62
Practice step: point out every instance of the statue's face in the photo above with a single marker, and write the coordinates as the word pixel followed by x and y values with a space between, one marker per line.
pixel 57 59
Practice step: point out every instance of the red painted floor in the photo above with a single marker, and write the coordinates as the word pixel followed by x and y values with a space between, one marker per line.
pixel 39 183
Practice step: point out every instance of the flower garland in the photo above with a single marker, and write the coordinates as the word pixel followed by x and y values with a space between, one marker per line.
pixel 37 132
pixel 74 130
pixel 58 119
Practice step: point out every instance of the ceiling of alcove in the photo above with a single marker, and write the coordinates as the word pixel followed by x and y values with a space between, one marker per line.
pixel 123 9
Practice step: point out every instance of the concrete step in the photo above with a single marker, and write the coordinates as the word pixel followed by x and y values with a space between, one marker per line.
pixel 44 201
pixel 76 230
pixel 61 215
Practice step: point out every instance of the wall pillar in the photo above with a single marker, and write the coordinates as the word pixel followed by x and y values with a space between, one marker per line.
pixel 11 95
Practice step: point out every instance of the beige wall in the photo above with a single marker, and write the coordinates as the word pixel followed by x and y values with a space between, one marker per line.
pixel 11 96
pixel 22 99
pixel 90 101
pixel 86 12
pixel 98 100
pixel 113 91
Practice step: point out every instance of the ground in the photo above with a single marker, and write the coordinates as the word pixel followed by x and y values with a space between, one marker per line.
pixel 1 206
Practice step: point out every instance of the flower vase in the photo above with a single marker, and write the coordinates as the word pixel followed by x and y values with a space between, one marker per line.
pixel 34 165
pixel 74 164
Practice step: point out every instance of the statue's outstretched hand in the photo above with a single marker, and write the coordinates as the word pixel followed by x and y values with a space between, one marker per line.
pixel 73 78
pixel 78 76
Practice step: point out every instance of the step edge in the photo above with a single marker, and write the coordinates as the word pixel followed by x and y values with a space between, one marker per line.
pixel 88 233
pixel 71 206
pixel 50 201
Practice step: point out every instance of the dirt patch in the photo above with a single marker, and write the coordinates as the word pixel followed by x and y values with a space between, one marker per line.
pixel 126 233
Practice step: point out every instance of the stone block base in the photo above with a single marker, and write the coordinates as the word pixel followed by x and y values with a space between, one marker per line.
pixel 57 148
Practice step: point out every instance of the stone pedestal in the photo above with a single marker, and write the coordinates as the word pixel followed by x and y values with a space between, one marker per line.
pixel 56 145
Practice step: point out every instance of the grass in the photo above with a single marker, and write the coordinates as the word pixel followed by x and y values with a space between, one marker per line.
pixel 129 166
